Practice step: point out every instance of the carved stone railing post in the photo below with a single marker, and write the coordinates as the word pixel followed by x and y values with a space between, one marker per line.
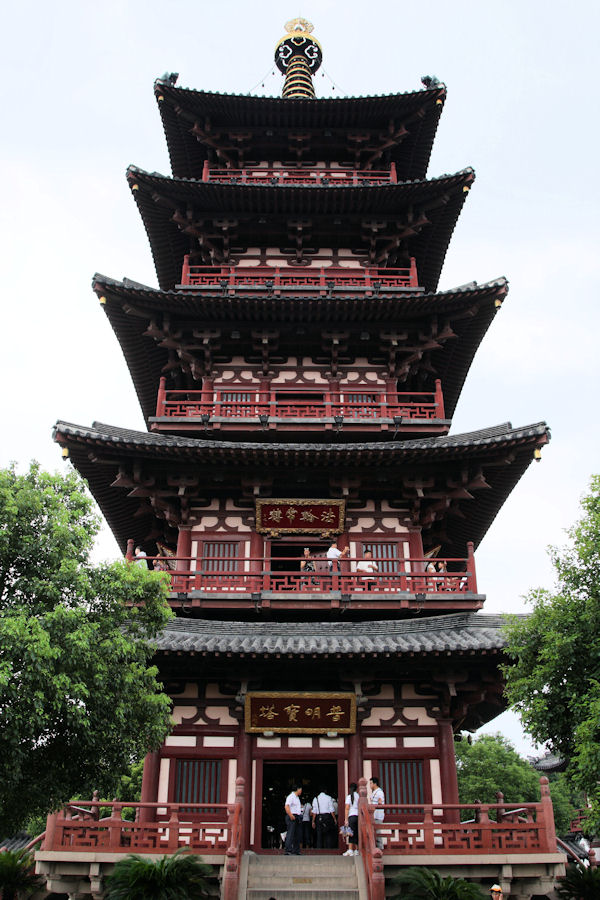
pixel 235 825
pixel 547 814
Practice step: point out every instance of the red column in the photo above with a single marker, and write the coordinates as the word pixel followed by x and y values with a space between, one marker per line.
pixel 161 396
pixel 245 771
pixel 355 756
pixel 448 767
pixel 150 785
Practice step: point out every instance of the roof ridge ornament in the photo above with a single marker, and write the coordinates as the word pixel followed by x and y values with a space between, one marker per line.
pixel 298 56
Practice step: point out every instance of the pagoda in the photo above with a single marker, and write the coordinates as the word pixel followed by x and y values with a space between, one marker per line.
pixel 298 370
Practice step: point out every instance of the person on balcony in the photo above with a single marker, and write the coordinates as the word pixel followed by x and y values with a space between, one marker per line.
pixel 307 564
pixel 139 557
pixel 293 821
pixel 378 800
pixel 366 568
pixel 334 554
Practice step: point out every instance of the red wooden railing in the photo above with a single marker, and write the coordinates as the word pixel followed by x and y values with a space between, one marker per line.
pixel 299 175
pixel 233 859
pixel 253 574
pixel 207 828
pixel 371 854
pixel 439 829
pixel 218 403
pixel 279 278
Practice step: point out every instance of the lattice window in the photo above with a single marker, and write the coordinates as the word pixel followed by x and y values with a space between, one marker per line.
pixel 384 554
pixel 198 781
pixel 221 556
pixel 402 782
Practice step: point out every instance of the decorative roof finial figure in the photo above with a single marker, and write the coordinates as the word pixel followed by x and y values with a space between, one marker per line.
pixel 298 56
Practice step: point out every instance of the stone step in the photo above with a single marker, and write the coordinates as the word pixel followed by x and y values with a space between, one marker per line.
pixel 291 893
pixel 329 877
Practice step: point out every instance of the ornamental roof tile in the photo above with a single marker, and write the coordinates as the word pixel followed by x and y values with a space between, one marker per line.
pixel 438 201
pixel 502 452
pixel 146 359
pixel 453 633
pixel 270 119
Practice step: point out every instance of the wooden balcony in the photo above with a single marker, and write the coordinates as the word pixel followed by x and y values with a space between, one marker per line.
pixel 319 281
pixel 291 176
pixel 290 409
pixel 227 583
pixel 476 840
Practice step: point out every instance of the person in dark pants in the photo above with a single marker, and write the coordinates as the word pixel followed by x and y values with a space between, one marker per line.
pixel 325 821
pixel 293 821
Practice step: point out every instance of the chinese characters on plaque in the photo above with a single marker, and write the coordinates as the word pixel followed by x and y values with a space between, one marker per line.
pixel 301 712
pixel 300 516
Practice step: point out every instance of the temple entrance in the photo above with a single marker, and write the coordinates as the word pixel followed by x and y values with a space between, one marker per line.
pixel 286 555
pixel 278 780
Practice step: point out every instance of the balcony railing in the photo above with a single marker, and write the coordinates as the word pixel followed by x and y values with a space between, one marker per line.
pixel 290 176
pixel 453 829
pixel 279 279
pixel 398 583
pixel 361 407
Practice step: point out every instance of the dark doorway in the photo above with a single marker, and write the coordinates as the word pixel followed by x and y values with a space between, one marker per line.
pixel 278 781
pixel 286 555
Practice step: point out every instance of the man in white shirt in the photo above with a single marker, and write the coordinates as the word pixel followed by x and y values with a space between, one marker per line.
pixel 334 554
pixel 325 821
pixel 378 800
pixel 366 568
pixel 293 821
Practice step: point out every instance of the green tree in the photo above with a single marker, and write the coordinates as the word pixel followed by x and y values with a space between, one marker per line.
pixel 426 884
pixel 553 679
pixel 177 877
pixel 492 764
pixel 78 699
pixel 17 879
pixel 579 883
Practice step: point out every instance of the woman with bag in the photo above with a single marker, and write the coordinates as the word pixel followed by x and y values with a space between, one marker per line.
pixel 351 820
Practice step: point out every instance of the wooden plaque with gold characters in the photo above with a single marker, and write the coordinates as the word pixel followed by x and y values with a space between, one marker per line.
pixel 300 516
pixel 303 712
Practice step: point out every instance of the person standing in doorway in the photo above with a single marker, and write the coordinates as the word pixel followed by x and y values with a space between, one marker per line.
pixel 351 820
pixel 306 826
pixel 324 821
pixel 378 800
pixel 293 821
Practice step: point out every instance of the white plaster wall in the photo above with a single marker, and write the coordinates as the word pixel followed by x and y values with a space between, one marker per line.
pixel 215 740
pixel 274 742
pixel 163 781
pixel 419 742
pixel 436 781
pixel 300 742
pixel 381 742
pixel 181 740
pixel 231 780
pixel 221 713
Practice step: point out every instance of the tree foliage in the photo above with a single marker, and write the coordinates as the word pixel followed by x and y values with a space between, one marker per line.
pixel 17 878
pixel 492 764
pixel 78 700
pixel 553 679
pixel 579 883
pixel 176 877
pixel 427 884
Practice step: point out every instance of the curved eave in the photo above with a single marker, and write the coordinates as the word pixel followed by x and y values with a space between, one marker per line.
pixel 337 215
pixel 129 307
pixel 462 633
pixel 502 451
pixel 327 117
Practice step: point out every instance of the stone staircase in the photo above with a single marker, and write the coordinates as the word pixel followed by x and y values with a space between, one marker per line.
pixel 302 878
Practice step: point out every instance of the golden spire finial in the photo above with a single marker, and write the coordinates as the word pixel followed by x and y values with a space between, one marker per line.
pixel 298 56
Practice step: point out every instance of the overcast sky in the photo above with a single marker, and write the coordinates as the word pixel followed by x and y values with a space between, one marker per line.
pixel 522 109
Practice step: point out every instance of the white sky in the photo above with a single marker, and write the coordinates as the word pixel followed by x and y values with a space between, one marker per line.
pixel 522 109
